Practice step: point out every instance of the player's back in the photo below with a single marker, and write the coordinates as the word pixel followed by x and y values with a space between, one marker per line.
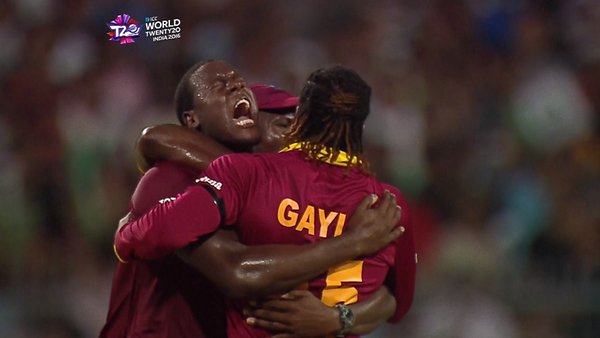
pixel 286 199
pixel 291 192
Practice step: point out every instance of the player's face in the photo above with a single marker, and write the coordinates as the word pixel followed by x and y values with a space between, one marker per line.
pixel 273 127
pixel 226 107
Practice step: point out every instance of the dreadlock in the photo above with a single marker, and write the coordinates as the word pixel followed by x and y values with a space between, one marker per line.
pixel 334 104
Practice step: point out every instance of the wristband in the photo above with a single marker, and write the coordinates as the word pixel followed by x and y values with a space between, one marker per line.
pixel 346 319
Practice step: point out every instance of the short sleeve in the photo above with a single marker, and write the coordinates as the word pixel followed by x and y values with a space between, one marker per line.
pixel 405 264
pixel 230 177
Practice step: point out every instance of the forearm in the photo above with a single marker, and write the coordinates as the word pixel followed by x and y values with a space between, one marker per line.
pixel 255 271
pixel 371 313
pixel 300 314
pixel 185 146
pixel 278 268
pixel 168 226
pixel 251 272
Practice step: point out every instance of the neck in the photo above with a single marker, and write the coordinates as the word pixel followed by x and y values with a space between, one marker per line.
pixel 239 148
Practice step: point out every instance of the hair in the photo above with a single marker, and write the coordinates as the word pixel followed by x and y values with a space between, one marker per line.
pixel 334 104
pixel 186 91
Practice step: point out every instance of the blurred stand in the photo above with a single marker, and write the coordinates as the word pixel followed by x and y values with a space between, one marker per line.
pixel 485 113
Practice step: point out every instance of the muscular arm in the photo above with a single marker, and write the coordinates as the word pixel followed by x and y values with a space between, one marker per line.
pixel 373 312
pixel 301 314
pixel 185 146
pixel 253 271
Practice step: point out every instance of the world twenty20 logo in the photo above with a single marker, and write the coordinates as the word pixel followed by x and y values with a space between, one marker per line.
pixel 124 29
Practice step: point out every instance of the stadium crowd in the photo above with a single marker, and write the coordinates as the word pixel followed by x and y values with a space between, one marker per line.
pixel 485 113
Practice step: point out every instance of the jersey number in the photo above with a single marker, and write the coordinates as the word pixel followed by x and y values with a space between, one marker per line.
pixel 334 292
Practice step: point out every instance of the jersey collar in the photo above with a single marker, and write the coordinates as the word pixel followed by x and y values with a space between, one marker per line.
pixel 326 155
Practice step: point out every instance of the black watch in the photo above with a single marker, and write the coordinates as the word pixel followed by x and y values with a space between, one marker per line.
pixel 346 319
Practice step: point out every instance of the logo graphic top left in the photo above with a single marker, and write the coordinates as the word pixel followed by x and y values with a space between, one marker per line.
pixel 123 29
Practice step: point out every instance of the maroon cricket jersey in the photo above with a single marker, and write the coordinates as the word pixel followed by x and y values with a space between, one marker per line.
pixel 287 199
pixel 164 297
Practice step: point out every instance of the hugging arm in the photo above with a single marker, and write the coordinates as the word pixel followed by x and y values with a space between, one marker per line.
pixel 300 314
pixel 182 145
pixel 255 271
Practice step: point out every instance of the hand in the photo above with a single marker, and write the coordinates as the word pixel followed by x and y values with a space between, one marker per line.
pixel 296 314
pixel 374 227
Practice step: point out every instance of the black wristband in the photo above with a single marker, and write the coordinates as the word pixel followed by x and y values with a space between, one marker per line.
pixel 218 203
pixel 346 319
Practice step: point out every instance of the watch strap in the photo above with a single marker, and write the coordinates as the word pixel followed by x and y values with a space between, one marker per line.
pixel 346 319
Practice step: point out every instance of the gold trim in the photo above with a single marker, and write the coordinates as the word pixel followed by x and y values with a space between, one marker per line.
pixel 326 155
pixel 117 254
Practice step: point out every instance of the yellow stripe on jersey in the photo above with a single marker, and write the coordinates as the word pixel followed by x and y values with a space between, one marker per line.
pixel 117 254
pixel 326 155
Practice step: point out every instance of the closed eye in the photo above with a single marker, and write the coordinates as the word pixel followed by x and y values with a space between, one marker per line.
pixel 219 83
pixel 283 122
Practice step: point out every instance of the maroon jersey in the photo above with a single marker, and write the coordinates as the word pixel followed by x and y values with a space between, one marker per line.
pixel 164 297
pixel 281 199
pixel 287 199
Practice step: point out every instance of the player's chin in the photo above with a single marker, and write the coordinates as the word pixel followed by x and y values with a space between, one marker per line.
pixel 247 136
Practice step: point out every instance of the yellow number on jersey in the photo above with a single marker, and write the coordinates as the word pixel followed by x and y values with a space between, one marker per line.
pixel 334 291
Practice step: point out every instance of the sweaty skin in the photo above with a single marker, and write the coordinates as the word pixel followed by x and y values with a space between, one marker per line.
pixel 196 151
pixel 223 116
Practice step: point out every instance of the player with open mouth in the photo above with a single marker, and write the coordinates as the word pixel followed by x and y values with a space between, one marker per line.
pixel 242 113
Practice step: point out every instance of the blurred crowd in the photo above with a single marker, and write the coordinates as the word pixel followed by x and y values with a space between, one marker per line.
pixel 485 113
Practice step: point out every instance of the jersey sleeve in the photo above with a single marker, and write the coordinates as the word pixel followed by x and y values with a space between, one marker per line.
pixel 405 264
pixel 171 225
pixel 230 177
pixel 216 198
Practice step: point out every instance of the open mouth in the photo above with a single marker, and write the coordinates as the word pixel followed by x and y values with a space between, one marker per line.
pixel 242 115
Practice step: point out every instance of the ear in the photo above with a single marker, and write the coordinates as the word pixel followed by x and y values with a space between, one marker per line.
pixel 191 119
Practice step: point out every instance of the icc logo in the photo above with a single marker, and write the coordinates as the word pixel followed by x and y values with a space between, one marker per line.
pixel 124 29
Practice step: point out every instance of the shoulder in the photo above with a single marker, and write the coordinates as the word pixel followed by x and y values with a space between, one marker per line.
pixel 171 168
pixel 167 173
pixel 237 162
pixel 402 201
pixel 163 180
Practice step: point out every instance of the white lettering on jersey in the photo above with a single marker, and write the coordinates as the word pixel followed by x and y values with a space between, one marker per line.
pixel 165 200
pixel 210 181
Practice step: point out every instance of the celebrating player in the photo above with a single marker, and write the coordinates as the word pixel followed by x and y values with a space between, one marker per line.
pixel 302 195
pixel 165 297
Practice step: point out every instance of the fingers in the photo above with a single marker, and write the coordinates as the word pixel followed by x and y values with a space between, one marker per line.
pixel 385 201
pixel 388 211
pixel 388 204
pixel 267 325
pixel 397 214
pixel 395 233
pixel 273 297
pixel 276 305
pixel 282 317
pixel 295 294
pixel 367 202
pixel 392 204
